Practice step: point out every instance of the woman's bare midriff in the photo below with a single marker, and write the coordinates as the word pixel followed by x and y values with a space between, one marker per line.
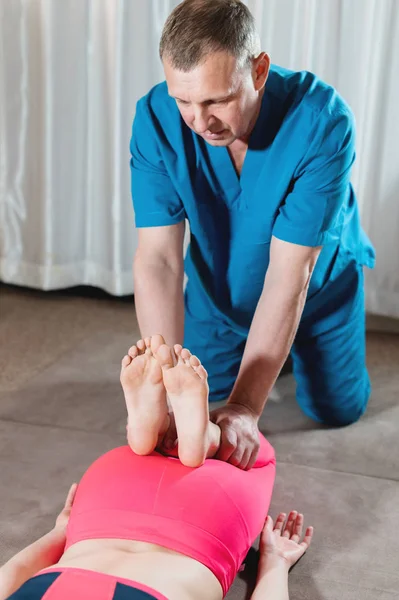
pixel 174 575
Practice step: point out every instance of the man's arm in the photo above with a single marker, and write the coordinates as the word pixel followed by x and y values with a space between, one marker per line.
pixel 269 341
pixel 275 322
pixel 158 272
pixel 43 553
pixel 310 217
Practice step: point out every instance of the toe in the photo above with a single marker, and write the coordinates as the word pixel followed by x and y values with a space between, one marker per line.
pixel 133 352
pixel 126 360
pixel 178 348
pixel 156 341
pixel 165 357
pixel 201 372
pixel 194 361
pixel 185 354
pixel 141 346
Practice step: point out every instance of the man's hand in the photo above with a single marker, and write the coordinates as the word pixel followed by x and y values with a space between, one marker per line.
pixel 239 443
pixel 168 443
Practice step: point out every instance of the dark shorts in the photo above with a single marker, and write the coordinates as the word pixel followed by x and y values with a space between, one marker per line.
pixel 73 584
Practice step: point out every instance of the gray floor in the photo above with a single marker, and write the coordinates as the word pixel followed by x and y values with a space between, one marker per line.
pixel 61 406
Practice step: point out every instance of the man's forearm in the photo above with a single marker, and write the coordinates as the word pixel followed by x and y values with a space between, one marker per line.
pixel 269 342
pixel 272 584
pixel 159 300
pixel 43 553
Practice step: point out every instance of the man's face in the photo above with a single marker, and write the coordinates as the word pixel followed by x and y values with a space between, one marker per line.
pixel 216 99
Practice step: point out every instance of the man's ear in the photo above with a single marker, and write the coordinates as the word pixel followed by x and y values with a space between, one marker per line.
pixel 261 70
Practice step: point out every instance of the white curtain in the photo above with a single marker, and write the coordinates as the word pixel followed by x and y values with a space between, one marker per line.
pixel 71 72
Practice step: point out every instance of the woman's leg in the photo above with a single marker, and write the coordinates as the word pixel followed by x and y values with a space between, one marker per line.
pixel 186 383
pixel 145 395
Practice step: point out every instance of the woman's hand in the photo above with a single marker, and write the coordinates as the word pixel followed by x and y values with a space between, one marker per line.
pixel 63 518
pixel 282 542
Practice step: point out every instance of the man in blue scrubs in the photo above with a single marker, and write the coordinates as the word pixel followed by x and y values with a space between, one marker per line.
pixel 258 159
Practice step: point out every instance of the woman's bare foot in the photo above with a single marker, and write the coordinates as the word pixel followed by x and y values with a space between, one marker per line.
pixel 145 395
pixel 187 388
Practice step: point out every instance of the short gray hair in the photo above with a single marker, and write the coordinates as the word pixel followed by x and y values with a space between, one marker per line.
pixel 197 28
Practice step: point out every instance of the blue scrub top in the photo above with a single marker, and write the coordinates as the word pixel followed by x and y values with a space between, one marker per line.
pixel 294 185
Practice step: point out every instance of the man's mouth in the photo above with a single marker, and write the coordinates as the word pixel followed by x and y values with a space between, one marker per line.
pixel 214 134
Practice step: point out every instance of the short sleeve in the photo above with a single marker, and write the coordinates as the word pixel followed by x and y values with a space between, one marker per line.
pixel 314 209
pixel 155 200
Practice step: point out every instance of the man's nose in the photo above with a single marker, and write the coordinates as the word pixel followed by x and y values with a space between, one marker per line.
pixel 201 120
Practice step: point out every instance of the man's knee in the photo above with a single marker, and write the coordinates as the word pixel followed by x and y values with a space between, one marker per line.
pixel 338 412
pixel 344 418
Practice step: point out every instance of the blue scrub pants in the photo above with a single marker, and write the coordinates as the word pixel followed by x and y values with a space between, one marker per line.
pixel 329 355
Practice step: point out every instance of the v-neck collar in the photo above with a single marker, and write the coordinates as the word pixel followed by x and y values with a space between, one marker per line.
pixel 225 172
pixel 257 143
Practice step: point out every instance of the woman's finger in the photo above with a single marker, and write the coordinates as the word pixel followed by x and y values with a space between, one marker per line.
pixel 71 495
pixel 290 524
pixel 279 524
pixel 308 538
pixel 297 528
pixel 269 523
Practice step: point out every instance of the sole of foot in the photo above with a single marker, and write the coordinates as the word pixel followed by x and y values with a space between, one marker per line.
pixel 186 383
pixel 142 382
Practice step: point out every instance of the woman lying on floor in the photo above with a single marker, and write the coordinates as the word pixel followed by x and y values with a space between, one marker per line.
pixel 145 527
